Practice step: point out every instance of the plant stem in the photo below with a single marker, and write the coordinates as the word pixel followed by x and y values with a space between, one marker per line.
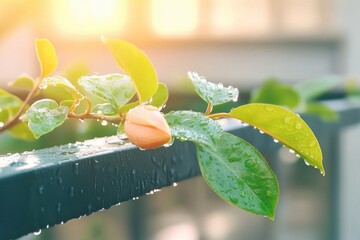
pixel 220 115
pixel 16 118
pixel 111 119
pixel 208 109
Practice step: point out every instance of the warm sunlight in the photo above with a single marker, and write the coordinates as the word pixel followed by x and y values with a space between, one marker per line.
pixel 175 18
pixel 250 17
pixel 89 17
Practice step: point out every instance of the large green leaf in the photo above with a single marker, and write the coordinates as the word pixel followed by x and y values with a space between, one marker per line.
pixel 233 168
pixel 237 172
pixel 213 93
pixel 285 126
pixel 44 116
pixel 314 88
pixel 193 126
pixel 137 65
pixel 274 92
pixel 117 89
pixel 58 81
pixel 47 56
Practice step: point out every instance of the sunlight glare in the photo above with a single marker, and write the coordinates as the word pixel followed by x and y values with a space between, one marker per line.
pixel 89 17
pixel 175 18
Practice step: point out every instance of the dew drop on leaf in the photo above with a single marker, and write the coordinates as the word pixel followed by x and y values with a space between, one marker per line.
pixel 37 233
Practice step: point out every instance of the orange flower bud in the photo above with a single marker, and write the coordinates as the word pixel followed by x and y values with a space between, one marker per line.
pixel 146 127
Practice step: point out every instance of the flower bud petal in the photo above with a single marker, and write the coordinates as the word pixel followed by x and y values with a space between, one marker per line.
pixel 146 127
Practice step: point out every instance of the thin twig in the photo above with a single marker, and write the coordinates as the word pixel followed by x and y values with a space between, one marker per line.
pixel 208 109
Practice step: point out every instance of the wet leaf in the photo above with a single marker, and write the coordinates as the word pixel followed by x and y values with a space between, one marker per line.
pixel 117 89
pixel 58 81
pixel 161 96
pixel 238 173
pixel 321 110
pixel 124 109
pixel 274 92
pixel 314 88
pixel 137 65
pixel 23 82
pixel 285 126
pixel 210 92
pixel 44 116
pixel 193 126
pixel 105 109
pixel 47 56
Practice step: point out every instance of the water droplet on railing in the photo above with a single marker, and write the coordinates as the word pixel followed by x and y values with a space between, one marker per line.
pixel 37 233
pixel 175 184
pixel 41 189
pixel 76 169
pixel 276 141
pixel 71 192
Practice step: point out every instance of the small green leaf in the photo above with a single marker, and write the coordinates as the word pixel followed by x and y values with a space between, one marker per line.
pixel 213 93
pixel 47 56
pixel 161 96
pixel 67 103
pixel 321 110
pixel 22 131
pixel 274 92
pixel 124 109
pixel 23 82
pixel 193 126
pixel 238 173
pixel 9 106
pixel 136 64
pixel 58 81
pixel 105 109
pixel 285 126
pixel 314 88
pixel 44 116
pixel 117 89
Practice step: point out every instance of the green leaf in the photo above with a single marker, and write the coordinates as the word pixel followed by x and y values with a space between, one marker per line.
pixel 23 82
pixel 161 96
pixel 136 64
pixel 285 126
pixel 238 173
pixel 67 103
pixel 274 92
pixel 44 116
pixel 47 56
pixel 117 89
pixel 193 126
pixel 314 88
pixel 124 109
pixel 9 106
pixel 105 109
pixel 213 93
pixel 58 81
pixel 22 131
pixel 321 110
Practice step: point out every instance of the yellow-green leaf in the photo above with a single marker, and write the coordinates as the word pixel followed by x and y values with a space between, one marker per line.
pixel 161 96
pixel 135 64
pixel 58 81
pixel 23 82
pixel 284 126
pixel 47 56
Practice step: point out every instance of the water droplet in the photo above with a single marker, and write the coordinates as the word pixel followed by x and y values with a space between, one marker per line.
pixel 175 184
pixel 76 169
pixel 276 141
pixel 58 207
pixel 41 189
pixel 250 163
pixel 261 132
pixel 289 120
pixel 62 222
pixel 297 155
pixel 118 204
pixel 59 180
pixel 170 143
pixel 234 199
pixel 269 108
pixel 307 163
pixel 298 125
pixel 1 124
pixel 37 233
pixel 312 143
pixel 71 192
pixel 47 226
pixel 104 123
pixel 291 151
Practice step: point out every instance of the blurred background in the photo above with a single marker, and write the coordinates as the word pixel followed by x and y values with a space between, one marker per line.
pixel 236 42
